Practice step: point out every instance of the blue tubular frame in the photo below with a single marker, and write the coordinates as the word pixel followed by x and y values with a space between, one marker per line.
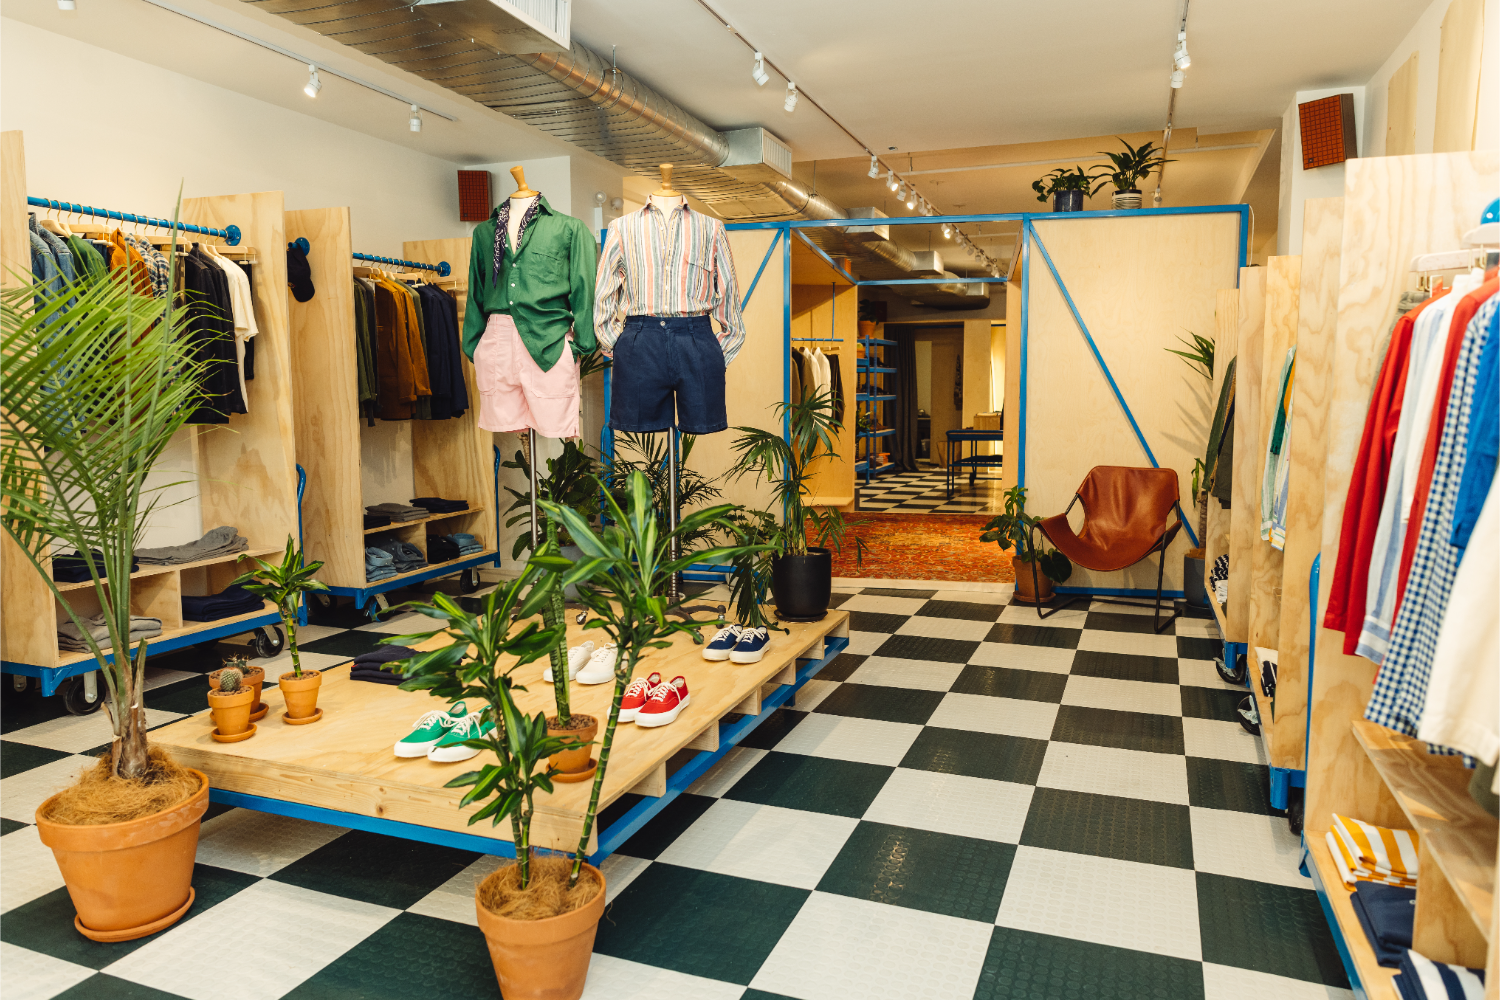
pixel 441 267
pixel 229 234
pixel 610 837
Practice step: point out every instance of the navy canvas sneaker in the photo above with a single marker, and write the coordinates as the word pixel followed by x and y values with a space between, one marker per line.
pixel 723 642
pixel 752 645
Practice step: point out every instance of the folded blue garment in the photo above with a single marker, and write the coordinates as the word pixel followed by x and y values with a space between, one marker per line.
pixel 375 576
pixel 1386 913
pixel 1423 979
pixel 463 538
pixel 226 604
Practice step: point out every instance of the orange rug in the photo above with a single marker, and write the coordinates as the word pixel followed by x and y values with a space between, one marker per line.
pixel 923 547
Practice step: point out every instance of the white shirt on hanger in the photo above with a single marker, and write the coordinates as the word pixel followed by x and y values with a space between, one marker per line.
pixel 243 306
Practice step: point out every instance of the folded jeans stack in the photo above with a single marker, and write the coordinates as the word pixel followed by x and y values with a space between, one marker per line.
pixel 70 639
pixel 397 512
pixel 376 521
pixel 75 568
pixel 437 505
pixel 467 544
pixel 227 603
pixel 222 541
pixel 371 666
pixel 404 555
pixel 441 549
pixel 1387 914
pixel 379 564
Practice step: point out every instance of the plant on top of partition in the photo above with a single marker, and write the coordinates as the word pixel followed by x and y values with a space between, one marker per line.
pixel 1063 179
pixel 1127 168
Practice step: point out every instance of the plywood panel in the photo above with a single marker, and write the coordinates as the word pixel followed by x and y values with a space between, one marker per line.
pixel 830 311
pixel 1401 109
pixel 15 248
pixel 1249 457
pixel 1394 208
pixel 1322 231
pixel 1012 409
pixel 1139 284
pixel 248 468
pixel 1220 518
pixel 327 393
pixel 1459 60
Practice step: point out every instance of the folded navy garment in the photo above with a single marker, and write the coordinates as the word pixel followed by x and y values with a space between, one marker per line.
pixel 75 568
pixel 440 506
pixel 375 674
pixel 226 604
pixel 440 549
pixel 1386 913
pixel 1423 979
pixel 384 654
pixel 377 521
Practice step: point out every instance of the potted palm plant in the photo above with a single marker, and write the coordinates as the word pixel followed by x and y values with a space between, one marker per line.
pixel 1066 188
pixel 97 380
pixel 1036 569
pixel 284 585
pixel 802 570
pixel 1199 357
pixel 1126 170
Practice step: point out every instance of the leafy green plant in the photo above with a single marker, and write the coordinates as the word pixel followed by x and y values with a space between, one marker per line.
pixel 693 488
pixel 751 581
pixel 622 578
pixel 1061 179
pixel 783 462
pixel 569 481
pixel 1015 530
pixel 97 380
pixel 283 585
pixel 1127 168
pixel 1199 355
pixel 469 668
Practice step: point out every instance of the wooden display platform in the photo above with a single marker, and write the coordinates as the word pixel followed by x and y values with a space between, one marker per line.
pixel 342 770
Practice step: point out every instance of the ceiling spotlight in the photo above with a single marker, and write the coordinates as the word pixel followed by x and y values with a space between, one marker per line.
pixel 947 231
pixel 1176 79
pixel 874 167
pixel 758 71
pixel 790 104
pixel 911 199
pixel 416 119
pixel 1180 58
pixel 901 191
pixel 313 83
pixel 66 5
pixel 890 179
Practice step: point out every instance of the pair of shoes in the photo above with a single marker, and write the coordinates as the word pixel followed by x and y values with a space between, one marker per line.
pixel 648 702
pixel 440 736
pixel 588 665
pixel 738 644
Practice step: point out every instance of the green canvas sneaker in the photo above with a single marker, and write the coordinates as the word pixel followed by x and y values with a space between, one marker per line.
pixel 451 747
pixel 428 730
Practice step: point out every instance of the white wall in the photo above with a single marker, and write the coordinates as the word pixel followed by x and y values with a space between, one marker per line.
pixel 1298 185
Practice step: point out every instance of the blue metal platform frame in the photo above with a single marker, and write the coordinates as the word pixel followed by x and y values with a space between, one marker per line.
pixel 610 837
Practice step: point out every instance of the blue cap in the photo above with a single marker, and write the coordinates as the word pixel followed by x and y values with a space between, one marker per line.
pixel 1491 213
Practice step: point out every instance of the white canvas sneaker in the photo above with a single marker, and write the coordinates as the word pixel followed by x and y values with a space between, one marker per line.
pixel 577 657
pixel 601 666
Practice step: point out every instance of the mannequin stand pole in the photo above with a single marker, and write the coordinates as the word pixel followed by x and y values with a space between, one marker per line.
pixel 674 592
pixel 533 459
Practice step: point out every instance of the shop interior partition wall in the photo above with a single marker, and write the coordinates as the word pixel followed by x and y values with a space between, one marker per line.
pixel 1393 209
pixel 825 309
pixel 1137 284
pixel 1244 528
pixel 451 458
pixel 1222 520
pixel 245 470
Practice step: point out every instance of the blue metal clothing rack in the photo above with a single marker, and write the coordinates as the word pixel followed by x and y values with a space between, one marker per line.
pixel 870 396
pixel 230 234
pixel 441 267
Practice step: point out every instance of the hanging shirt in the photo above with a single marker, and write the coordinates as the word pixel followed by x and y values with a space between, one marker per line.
pixel 128 259
pixel 674 263
pixel 401 357
pixel 1401 686
pixel 1484 440
pixel 243 308
pixel 1274 481
pixel 546 285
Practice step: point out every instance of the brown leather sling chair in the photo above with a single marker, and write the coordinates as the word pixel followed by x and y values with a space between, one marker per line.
pixel 1125 520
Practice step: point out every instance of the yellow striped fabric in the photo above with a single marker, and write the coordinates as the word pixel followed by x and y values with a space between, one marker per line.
pixel 1372 853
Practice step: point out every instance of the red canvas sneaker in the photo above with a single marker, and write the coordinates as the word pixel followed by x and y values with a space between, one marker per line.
pixel 666 703
pixel 636 695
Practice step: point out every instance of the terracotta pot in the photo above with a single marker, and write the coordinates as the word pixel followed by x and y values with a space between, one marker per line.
pixel 128 879
pixel 231 712
pixel 543 959
pixel 1024 591
pixel 569 761
pixel 254 677
pixel 867 327
pixel 301 695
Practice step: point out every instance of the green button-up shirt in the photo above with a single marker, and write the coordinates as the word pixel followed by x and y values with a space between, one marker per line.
pixel 546 286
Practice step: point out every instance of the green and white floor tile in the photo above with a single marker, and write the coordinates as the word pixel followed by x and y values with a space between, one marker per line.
pixel 968 803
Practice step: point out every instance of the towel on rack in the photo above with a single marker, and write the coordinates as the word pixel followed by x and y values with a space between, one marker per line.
pixel 1421 978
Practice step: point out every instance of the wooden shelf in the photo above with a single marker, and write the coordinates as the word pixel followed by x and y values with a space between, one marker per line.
pixel 424 520
pixel 176 567
pixel 1433 791
pixel 189 628
pixel 1376 979
pixel 432 566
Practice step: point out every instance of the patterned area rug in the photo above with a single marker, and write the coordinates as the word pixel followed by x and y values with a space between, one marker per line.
pixel 923 547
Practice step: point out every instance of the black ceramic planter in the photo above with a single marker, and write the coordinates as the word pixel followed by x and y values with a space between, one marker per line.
pixel 1067 201
pixel 802 585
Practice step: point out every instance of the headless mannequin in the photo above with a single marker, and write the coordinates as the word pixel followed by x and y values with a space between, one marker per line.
pixel 520 202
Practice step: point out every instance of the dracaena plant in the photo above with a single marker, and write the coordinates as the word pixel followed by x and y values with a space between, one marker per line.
pixel 479 664
pixel 97 379
pixel 283 585
pixel 622 577
pixel 1128 167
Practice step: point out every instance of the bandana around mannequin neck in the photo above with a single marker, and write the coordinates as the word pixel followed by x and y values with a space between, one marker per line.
pixel 502 230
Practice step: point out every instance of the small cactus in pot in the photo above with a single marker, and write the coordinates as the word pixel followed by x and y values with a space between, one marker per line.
pixel 231 703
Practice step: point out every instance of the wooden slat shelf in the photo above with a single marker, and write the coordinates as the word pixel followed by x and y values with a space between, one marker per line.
pixel 432 566
pixel 188 628
pixel 1433 791
pixel 177 567
pixel 1375 978
pixel 424 520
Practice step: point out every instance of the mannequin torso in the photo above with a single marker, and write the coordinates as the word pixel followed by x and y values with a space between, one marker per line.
pixel 518 209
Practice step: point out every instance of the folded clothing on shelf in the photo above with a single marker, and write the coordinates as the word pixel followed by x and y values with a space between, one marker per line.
pixel 438 505
pixel 404 555
pixel 222 541
pixel 467 544
pixel 1421 978
pixel 70 639
pixel 227 603
pixel 441 548
pixel 379 564
pixel 1387 913
pixel 397 511
pixel 376 521
pixel 372 667
pixel 75 568
pixel 1268 677
pixel 1364 852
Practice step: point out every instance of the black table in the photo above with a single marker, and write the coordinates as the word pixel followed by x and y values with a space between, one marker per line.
pixel 975 461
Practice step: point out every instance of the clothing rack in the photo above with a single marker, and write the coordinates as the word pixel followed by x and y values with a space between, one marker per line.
pixel 441 267
pixel 230 234
pixel 832 319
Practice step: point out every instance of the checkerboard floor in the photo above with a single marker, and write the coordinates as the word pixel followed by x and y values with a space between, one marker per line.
pixel 967 803
pixel 926 492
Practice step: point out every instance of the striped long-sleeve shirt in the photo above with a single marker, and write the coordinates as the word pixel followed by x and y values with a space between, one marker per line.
pixel 673 263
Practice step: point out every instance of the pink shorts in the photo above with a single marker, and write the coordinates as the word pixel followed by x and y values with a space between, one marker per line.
pixel 514 393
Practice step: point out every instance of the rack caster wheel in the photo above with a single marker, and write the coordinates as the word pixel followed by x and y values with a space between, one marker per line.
pixel 1237 675
pixel 75 698
pixel 1249 716
pixel 376 607
pixel 320 608
pixel 1294 812
pixel 581 617
pixel 266 643
pixel 468 581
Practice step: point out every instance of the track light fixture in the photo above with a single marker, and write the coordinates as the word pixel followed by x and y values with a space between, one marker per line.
pixel 911 199
pixel 313 84
pixel 416 119
pixel 947 231
pixel 67 5
pixel 890 179
pixel 874 167
pixel 790 104
pixel 1180 58
pixel 758 71
pixel 1176 79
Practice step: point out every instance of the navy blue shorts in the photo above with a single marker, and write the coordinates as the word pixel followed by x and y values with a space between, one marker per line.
pixel 662 362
